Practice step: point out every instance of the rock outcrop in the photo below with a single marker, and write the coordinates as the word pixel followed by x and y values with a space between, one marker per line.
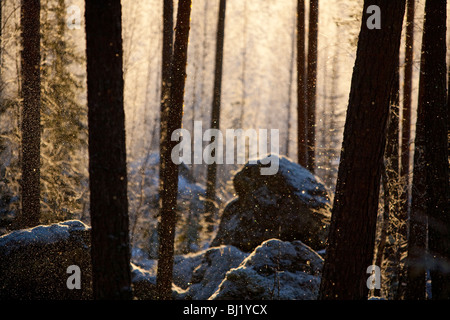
pixel 290 205
pixel 276 270
pixel 34 262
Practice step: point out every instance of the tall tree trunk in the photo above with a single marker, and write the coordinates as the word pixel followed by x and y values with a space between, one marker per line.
pixel 107 153
pixel 311 87
pixel 244 68
pixel 354 215
pixel 215 116
pixel 302 116
pixel 166 202
pixel 168 169
pixel 431 190
pixel 289 93
pixel 417 220
pixel 166 76
pixel 31 131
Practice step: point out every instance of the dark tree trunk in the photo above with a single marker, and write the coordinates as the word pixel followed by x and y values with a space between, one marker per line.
pixel 168 169
pixel 354 215
pixel 215 116
pixel 107 153
pixel 311 87
pixel 289 92
pixel 31 131
pixel 166 76
pixel 302 117
pixel 430 191
pixel 166 202
pixel 416 268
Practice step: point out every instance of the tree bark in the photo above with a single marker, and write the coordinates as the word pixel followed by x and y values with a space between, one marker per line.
pixel 215 116
pixel 431 190
pixel 31 130
pixel 107 154
pixel 354 214
pixel 168 169
pixel 311 87
pixel 302 117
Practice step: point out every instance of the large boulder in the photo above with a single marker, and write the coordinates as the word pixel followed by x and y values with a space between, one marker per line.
pixel 34 262
pixel 276 270
pixel 196 276
pixel 291 204
pixel 205 278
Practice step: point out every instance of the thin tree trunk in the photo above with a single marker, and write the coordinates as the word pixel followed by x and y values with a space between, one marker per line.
pixel 107 153
pixel 417 221
pixel 244 68
pixel 31 131
pixel 166 76
pixel 302 117
pixel 168 169
pixel 354 215
pixel 215 116
pixel 291 77
pixel 311 87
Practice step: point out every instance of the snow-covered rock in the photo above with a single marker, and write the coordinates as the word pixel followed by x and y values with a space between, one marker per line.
pixel 184 266
pixel 276 269
pixel 290 205
pixel 209 273
pixel 34 262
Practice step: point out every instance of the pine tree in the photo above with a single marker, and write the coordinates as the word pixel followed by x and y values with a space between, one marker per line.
pixel 110 252
pixel 354 215
pixel 302 118
pixel 169 170
pixel 311 86
pixel 215 116
pixel 31 130
pixel 64 120
pixel 430 191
